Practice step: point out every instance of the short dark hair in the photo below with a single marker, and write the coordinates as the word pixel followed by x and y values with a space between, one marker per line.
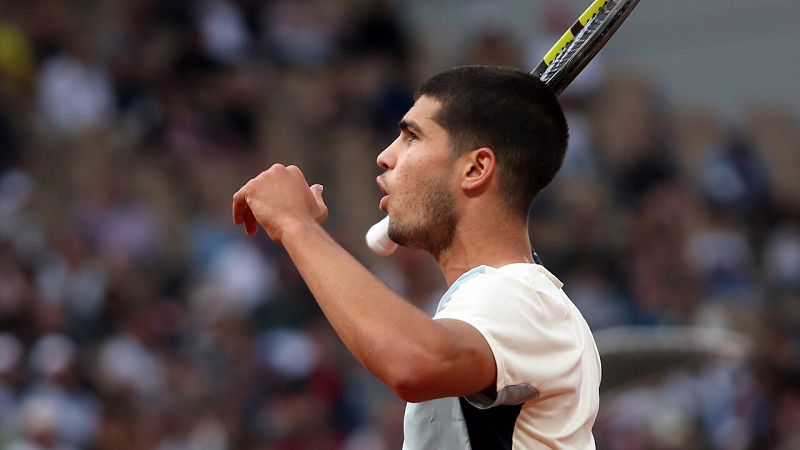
pixel 513 113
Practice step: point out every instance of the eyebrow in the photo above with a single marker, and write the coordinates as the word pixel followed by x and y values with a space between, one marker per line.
pixel 410 125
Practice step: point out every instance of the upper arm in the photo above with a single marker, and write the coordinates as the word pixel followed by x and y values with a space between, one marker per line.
pixel 478 365
pixel 462 364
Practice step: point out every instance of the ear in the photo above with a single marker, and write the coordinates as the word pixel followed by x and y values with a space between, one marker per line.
pixel 478 169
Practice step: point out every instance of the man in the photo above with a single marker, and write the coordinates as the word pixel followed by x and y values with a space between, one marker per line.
pixel 507 361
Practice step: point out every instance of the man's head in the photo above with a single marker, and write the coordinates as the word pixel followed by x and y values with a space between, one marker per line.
pixel 470 127
pixel 509 111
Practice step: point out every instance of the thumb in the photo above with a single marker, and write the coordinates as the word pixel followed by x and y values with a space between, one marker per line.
pixel 317 191
pixel 322 210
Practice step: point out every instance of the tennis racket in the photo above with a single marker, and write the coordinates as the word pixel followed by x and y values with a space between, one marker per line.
pixel 560 65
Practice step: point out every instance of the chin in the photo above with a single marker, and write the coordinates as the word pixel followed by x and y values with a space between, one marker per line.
pixel 398 232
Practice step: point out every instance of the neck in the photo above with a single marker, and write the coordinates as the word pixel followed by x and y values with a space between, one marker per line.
pixel 495 243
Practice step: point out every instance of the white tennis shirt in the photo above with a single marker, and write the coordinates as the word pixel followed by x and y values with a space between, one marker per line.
pixel 548 368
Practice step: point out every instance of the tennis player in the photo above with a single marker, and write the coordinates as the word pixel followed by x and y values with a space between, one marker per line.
pixel 507 361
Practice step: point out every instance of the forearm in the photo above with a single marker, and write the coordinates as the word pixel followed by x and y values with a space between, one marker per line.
pixel 382 330
pixel 416 356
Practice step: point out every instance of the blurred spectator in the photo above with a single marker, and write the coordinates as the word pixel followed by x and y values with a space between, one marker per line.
pixel 724 258
pixel 53 363
pixel 74 89
pixel 16 54
pixel 10 380
pixel 491 44
pixel 224 31
pixel 40 427
pixel 734 179
pixel 782 257
pixel 299 32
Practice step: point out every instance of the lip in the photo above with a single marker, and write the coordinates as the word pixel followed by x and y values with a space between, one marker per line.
pixel 382 205
pixel 380 185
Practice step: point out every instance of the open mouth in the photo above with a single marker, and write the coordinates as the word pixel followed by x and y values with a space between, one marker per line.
pixel 385 199
pixel 382 205
pixel 380 185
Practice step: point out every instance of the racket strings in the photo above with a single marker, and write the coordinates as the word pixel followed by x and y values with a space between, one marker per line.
pixel 566 55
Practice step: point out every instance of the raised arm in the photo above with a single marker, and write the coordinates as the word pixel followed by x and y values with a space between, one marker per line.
pixel 418 357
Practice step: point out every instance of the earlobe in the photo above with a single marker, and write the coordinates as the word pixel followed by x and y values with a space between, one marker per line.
pixel 480 167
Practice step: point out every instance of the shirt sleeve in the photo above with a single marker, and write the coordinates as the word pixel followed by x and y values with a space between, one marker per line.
pixel 529 327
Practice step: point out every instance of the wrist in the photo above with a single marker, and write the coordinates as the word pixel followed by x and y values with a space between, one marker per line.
pixel 297 230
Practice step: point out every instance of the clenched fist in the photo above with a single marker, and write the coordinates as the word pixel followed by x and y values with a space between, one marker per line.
pixel 277 199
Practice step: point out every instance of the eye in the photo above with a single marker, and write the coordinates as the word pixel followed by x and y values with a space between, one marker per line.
pixel 411 136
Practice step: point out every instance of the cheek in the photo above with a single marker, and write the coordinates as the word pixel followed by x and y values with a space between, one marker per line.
pixel 404 187
pixel 405 175
pixel 414 170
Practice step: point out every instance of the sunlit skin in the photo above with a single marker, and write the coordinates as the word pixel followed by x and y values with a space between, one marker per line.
pixel 421 155
pixel 419 182
pixel 418 357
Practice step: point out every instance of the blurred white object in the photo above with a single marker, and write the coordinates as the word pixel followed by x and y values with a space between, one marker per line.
pixel 378 238
pixel 633 354
pixel 74 95
pixel 243 274
pixel 52 354
pixel 782 255
pixel 224 31
pixel 293 353
pixel 123 361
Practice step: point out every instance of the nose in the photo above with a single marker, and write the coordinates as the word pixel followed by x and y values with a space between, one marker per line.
pixel 386 159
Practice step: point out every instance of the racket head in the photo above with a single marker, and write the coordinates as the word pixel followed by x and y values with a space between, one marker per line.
pixel 581 42
pixel 565 60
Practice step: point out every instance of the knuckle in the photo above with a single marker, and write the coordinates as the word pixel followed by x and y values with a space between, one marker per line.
pixel 272 169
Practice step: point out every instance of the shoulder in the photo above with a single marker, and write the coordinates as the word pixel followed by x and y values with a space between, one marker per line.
pixel 508 288
pixel 537 336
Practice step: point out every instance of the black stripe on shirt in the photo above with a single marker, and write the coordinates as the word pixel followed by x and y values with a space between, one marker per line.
pixel 490 429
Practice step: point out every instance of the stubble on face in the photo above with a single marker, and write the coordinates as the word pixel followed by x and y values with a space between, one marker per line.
pixel 432 227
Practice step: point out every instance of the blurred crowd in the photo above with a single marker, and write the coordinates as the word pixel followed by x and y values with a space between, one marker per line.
pixel 134 315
